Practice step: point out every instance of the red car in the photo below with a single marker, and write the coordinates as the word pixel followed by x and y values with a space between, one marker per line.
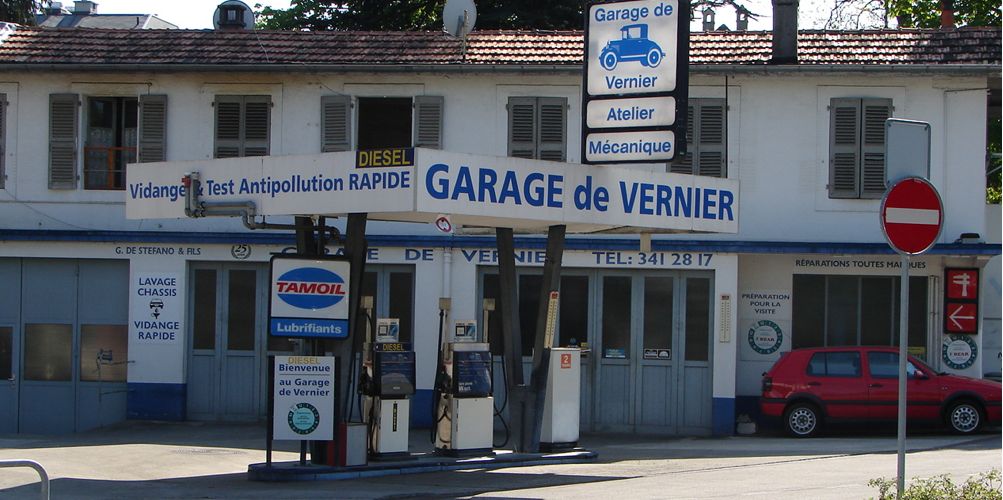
pixel 807 387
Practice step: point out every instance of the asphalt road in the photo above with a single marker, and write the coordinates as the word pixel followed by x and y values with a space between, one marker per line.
pixel 190 460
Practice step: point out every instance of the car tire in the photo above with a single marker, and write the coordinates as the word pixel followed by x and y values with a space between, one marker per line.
pixel 653 58
pixel 964 417
pixel 608 60
pixel 802 420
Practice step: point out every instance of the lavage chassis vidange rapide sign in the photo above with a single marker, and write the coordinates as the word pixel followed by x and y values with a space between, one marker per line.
pixel 475 190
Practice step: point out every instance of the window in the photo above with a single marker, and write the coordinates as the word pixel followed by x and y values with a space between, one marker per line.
pixel 834 364
pixel 886 365
pixel 119 130
pixel 383 122
pixel 537 128
pixel 857 147
pixel 855 310
pixel 3 138
pixel 104 353
pixel 573 318
pixel 48 352
pixel 705 140
pixel 242 125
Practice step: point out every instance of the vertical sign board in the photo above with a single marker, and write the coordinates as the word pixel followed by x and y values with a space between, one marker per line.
pixel 309 297
pixel 636 81
pixel 961 300
pixel 303 407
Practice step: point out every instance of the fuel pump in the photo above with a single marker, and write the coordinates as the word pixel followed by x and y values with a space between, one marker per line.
pixel 464 416
pixel 387 381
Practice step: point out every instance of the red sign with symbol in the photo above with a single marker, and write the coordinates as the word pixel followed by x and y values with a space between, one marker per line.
pixel 961 300
pixel 912 215
pixel 962 283
pixel 565 361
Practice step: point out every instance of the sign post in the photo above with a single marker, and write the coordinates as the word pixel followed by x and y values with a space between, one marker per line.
pixel 912 216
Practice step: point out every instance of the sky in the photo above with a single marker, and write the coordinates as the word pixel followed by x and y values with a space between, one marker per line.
pixel 197 14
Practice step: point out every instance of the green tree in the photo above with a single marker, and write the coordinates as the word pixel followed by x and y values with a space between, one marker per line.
pixel 926 13
pixel 19 11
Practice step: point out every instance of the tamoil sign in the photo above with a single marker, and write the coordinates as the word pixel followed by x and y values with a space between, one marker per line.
pixel 309 297
pixel 636 83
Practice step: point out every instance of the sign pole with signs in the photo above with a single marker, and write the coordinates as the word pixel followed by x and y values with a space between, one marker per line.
pixel 635 81
pixel 912 217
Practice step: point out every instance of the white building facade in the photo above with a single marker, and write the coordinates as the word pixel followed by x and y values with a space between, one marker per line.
pixel 104 318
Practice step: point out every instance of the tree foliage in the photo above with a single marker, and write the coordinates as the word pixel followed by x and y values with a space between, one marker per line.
pixel 19 11
pixel 926 13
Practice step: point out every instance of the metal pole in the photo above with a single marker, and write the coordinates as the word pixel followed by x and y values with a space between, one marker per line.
pixel 903 353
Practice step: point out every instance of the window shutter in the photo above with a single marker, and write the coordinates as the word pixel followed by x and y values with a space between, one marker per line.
pixel 712 140
pixel 428 121
pixel 684 165
pixel 63 121
pixel 553 124
pixel 844 146
pixel 522 127
pixel 872 150
pixel 228 119
pixel 152 128
pixel 257 109
pixel 3 139
pixel 335 123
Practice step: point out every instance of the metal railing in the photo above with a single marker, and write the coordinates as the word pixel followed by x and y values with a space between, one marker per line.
pixel 43 476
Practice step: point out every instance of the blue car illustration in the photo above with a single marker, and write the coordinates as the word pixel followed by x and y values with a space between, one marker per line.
pixel 633 45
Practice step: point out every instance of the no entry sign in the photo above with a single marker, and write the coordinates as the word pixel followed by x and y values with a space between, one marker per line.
pixel 912 216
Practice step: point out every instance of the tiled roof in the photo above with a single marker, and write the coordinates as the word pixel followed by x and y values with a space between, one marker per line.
pixel 980 46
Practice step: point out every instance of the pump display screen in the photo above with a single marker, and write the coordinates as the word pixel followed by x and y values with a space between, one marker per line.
pixel 472 374
pixel 394 373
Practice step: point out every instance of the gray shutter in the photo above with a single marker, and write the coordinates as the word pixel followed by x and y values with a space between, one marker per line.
pixel 228 120
pixel 257 124
pixel 684 165
pixel 3 139
pixel 522 127
pixel 711 137
pixel 152 128
pixel 428 121
pixel 553 125
pixel 335 123
pixel 872 149
pixel 63 121
pixel 844 148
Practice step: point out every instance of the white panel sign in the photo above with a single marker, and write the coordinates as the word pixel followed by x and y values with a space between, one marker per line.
pixel 156 310
pixel 303 406
pixel 309 298
pixel 764 318
pixel 634 45
pixel 635 112
pixel 658 145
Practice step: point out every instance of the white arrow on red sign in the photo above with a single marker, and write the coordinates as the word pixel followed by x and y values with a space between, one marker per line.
pixel 912 215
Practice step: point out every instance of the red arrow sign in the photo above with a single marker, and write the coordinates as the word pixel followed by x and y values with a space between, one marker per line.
pixel 962 317
pixel 912 215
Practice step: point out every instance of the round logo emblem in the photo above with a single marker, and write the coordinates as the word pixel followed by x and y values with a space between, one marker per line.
pixel 303 418
pixel 310 288
pixel 240 252
pixel 766 337
pixel 443 224
pixel 959 351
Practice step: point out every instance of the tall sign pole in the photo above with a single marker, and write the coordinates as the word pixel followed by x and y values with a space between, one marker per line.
pixel 912 217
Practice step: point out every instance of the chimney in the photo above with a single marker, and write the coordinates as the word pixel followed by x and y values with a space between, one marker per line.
pixel 55 9
pixel 947 14
pixel 708 19
pixel 785 32
pixel 84 8
pixel 741 19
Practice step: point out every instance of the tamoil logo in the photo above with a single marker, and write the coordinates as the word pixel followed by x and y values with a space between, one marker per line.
pixel 311 288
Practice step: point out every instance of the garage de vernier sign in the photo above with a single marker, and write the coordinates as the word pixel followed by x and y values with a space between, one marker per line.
pixel 636 56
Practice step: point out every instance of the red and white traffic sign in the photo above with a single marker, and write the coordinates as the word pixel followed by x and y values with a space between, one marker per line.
pixel 962 283
pixel 912 216
pixel 961 300
pixel 962 317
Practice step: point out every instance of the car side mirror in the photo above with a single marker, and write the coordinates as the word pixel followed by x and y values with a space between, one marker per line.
pixel 920 375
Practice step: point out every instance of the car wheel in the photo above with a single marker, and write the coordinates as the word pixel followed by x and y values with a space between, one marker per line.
pixel 802 420
pixel 608 60
pixel 654 57
pixel 964 417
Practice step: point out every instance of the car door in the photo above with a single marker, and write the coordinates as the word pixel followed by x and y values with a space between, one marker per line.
pixel 922 392
pixel 835 378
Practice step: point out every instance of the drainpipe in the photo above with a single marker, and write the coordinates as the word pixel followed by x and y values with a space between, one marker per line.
pixel 785 32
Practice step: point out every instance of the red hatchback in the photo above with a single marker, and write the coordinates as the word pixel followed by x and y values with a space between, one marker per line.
pixel 807 387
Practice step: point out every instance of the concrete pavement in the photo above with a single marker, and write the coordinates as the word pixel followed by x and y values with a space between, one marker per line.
pixel 193 460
